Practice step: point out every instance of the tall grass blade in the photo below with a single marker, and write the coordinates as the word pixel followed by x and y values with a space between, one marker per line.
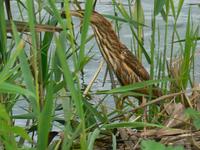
pixel 86 22
pixel 6 135
pixel 75 91
pixel 131 125
pixel 71 33
pixel 114 142
pixel 34 47
pixel 180 5
pixel 26 72
pixel 138 15
pixel 92 138
pixel 46 42
pixel 132 87
pixel 45 119
pixel 14 89
pixel 159 4
pixel 3 35
pixel 164 86
pixel 5 73
pixel 185 67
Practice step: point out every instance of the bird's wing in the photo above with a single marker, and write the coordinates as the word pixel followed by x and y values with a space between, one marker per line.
pixel 133 63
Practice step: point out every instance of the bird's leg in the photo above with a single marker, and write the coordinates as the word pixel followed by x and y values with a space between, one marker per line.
pixel 118 102
pixel 131 102
pixel 105 75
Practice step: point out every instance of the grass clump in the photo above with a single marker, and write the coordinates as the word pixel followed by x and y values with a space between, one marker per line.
pixel 44 64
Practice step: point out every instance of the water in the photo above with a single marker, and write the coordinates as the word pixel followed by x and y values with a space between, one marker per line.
pixel 126 37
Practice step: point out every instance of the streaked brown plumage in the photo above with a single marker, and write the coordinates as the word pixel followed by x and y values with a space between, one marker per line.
pixel 125 65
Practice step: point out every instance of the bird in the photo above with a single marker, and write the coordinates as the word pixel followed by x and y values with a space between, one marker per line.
pixel 125 65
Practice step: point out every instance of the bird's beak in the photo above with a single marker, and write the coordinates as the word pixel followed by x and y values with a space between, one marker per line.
pixel 76 13
pixel 79 14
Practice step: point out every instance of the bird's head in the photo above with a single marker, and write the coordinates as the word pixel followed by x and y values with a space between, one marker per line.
pixel 96 19
pixel 77 13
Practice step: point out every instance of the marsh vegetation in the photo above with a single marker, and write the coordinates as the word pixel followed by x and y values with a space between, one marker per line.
pixel 53 96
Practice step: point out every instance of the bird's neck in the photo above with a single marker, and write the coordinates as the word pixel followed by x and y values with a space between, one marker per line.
pixel 107 42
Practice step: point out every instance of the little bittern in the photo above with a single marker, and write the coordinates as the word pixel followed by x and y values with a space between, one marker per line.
pixel 125 65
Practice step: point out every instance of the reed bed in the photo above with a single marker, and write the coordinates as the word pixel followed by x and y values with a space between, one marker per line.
pixel 43 61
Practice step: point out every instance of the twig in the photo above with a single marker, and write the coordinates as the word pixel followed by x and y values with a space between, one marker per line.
pixel 164 97
pixel 93 79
